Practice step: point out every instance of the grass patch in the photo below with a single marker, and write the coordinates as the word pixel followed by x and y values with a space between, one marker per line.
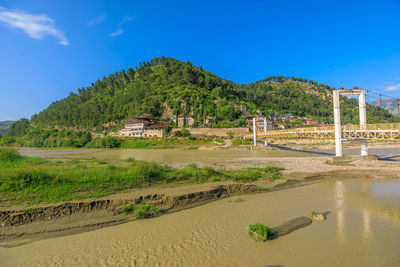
pixel 252 174
pixel 261 232
pixel 31 180
pixel 130 159
pixel 313 213
pixel 164 143
pixel 127 208
pixel 9 155
pixel 145 210
pixel 239 142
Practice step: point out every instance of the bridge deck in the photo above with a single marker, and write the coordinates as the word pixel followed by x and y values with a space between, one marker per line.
pixel 372 131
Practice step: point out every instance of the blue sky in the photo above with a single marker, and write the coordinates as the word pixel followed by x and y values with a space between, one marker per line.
pixel 50 48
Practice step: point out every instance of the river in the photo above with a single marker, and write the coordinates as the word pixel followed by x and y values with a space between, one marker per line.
pixel 362 229
pixel 210 156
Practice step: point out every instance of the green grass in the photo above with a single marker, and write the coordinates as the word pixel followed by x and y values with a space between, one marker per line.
pixel 127 208
pixel 31 180
pixel 163 143
pixel 312 213
pixel 261 231
pixel 252 174
pixel 145 210
pixel 238 142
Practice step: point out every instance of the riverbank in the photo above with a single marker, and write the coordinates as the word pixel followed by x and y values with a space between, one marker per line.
pixel 364 217
pixel 23 223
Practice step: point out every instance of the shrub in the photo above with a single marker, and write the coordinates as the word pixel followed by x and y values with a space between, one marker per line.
pixel 9 155
pixel 112 142
pixel 148 171
pixel 130 159
pixel 182 133
pixel 145 210
pixel 127 208
pixel 261 232
pixel 26 179
pixel 247 175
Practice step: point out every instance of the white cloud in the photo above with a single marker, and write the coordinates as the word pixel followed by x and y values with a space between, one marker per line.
pixel 119 31
pixel 97 20
pixel 394 87
pixel 35 26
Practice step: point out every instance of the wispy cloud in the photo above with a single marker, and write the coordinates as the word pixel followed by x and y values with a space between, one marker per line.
pixel 97 20
pixel 394 87
pixel 35 26
pixel 120 30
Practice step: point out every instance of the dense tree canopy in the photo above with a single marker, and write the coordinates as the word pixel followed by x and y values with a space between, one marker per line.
pixel 165 88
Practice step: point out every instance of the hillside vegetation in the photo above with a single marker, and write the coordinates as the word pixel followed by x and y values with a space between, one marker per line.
pixel 166 88
pixel 391 107
pixel 5 126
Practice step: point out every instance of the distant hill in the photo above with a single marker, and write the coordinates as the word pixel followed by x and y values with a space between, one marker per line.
pixel 166 87
pixel 391 107
pixel 5 126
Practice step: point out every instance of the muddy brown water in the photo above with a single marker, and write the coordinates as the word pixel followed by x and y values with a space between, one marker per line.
pixel 181 155
pixel 362 229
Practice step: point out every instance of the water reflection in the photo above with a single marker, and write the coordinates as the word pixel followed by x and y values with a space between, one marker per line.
pixel 339 205
pixel 367 232
pixel 370 200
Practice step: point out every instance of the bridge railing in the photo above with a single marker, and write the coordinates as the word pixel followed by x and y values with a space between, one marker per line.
pixel 394 127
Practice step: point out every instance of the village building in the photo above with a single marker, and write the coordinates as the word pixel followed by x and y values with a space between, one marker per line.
pixel 278 125
pixel 143 126
pixel 242 108
pixel 260 122
pixel 186 121
pixel 310 121
pixel 208 121
pixel 156 130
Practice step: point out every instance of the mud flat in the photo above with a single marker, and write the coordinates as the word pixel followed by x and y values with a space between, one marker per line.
pixel 20 225
pixel 362 229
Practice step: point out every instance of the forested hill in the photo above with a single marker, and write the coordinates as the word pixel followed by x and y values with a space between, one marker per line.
pixel 166 87
pixel 5 126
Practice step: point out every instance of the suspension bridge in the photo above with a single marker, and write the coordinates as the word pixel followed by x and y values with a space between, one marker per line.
pixel 341 133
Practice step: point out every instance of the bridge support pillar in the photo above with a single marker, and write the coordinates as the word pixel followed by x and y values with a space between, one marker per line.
pixel 338 130
pixel 363 121
pixel 364 148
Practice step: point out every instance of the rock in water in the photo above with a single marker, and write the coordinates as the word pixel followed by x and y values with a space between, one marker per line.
pixel 292 225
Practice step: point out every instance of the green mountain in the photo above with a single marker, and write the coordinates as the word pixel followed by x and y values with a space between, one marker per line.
pixel 5 126
pixel 391 107
pixel 166 88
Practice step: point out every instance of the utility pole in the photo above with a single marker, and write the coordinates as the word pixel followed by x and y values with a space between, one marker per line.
pixel 265 130
pixel 363 121
pixel 254 132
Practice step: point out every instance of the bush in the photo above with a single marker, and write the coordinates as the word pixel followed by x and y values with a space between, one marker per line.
pixel 182 133
pixel 145 210
pixel 26 179
pixel 112 142
pixel 148 171
pixel 247 175
pixel 9 155
pixel 261 232
pixel 127 208
pixel 130 159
